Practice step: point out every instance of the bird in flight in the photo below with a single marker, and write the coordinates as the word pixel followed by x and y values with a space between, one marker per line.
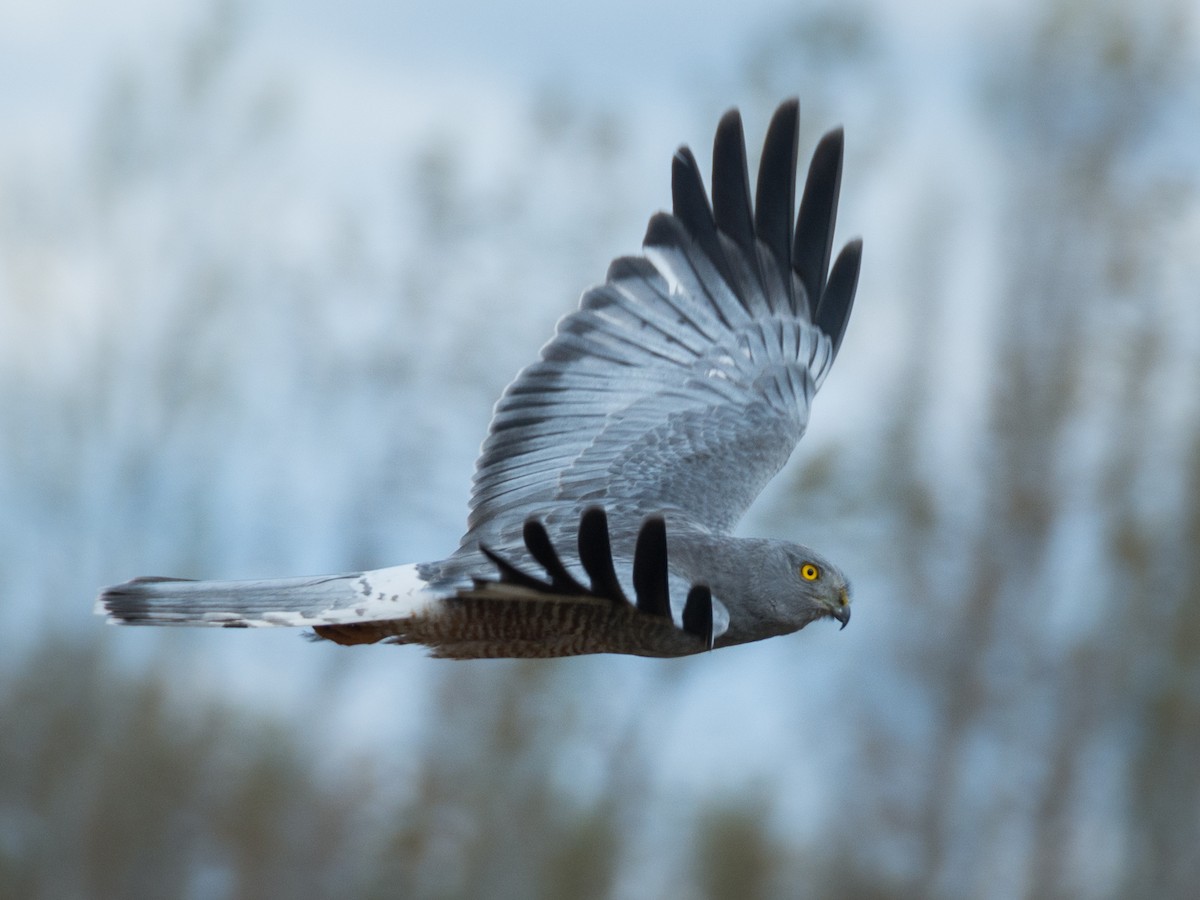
pixel 616 466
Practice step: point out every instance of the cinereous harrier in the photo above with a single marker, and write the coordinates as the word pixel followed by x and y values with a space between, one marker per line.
pixel 617 464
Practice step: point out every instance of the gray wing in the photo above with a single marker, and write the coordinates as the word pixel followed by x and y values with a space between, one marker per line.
pixel 683 383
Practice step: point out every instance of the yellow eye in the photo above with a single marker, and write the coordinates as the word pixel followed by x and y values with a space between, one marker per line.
pixel 809 572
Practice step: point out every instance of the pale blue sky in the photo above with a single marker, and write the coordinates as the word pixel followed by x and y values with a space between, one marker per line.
pixel 54 54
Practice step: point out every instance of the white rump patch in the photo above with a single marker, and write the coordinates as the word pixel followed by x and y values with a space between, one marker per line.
pixel 396 592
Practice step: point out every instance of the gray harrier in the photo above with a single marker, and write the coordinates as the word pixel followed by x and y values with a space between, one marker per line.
pixel 616 465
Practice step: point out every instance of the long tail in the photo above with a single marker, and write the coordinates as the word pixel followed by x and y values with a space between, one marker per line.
pixel 393 593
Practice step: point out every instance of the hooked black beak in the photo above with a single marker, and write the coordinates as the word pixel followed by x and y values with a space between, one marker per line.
pixel 841 612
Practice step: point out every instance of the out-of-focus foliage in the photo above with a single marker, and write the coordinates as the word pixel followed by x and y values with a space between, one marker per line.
pixel 488 817
pixel 112 789
pixel 213 365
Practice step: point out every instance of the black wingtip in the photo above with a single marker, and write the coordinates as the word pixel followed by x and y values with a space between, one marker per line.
pixel 775 197
pixel 698 614
pixel 690 206
pixel 595 554
pixel 731 183
pixel 798 249
pixel 540 547
pixel 650 574
pixel 662 229
pixel 813 243
pixel 510 574
pixel 689 201
pixel 833 311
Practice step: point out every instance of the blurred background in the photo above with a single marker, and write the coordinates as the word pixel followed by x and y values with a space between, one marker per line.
pixel 264 268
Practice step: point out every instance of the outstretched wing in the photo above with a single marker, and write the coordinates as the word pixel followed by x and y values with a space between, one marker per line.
pixel 683 383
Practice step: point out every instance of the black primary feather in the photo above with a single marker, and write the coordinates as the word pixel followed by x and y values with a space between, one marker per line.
pixel 833 312
pixel 510 574
pixel 595 553
pixel 690 206
pixel 815 222
pixel 650 582
pixel 650 571
pixel 775 197
pixel 731 184
pixel 698 614
pixel 537 541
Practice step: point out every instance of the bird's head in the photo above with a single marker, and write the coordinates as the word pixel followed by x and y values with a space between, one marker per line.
pixel 769 587
pixel 819 589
